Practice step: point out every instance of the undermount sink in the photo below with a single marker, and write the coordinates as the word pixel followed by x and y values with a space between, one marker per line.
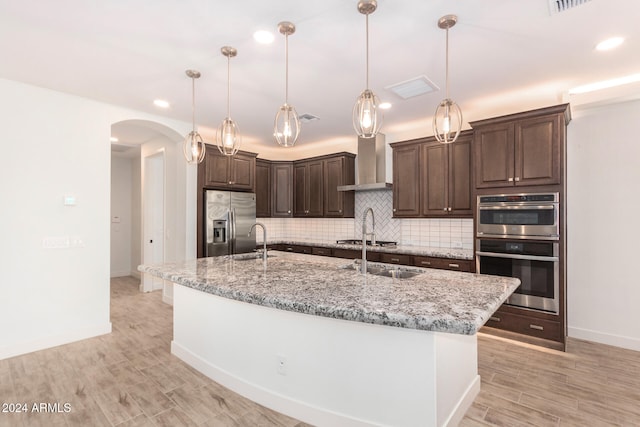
pixel 395 273
pixel 249 256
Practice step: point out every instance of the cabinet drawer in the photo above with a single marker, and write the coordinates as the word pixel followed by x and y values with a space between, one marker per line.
pixel 347 253
pixel 540 328
pixel 321 251
pixel 300 249
pixel 444 263
pixel 396 259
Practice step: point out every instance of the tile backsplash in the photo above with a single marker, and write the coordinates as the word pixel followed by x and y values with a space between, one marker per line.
pixel 434 232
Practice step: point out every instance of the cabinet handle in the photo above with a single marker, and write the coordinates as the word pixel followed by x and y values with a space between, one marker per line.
pixel 289 211
pixel 449 209
pixel 454 265
pixel 290 249
pixel 537 327
pixel 494 318
pixel 395 260
pixel 425 262
pixel 517 178
pixel 444 209
pixel 394 209
pixel 340 210
pixel 510 179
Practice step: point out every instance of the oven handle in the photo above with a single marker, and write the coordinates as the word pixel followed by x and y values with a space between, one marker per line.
pixel 536 207
pixel 516 256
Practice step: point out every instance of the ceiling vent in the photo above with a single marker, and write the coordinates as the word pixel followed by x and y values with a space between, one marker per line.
pixel 557 6
pixel 413 87
pixel 306 118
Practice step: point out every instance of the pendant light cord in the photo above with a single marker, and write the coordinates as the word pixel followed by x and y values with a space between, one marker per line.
pixel 367 61
pixel 228 87
pixel 193 103
pixel 447 63
pixel 286 69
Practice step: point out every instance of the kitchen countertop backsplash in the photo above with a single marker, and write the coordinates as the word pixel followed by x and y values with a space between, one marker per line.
pixel 451 233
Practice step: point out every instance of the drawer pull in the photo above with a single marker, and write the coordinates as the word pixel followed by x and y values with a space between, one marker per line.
pixel 290 249
pixel 395 260
pixel 537 327
pixel 425 262
pixel 454 265
pixel 494 318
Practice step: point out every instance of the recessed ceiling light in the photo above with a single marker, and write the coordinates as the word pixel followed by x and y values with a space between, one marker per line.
pixel 114 139
pixel 605 84
pixel 263 36
pixel 161 103
pixel 611 43
pixel 385 105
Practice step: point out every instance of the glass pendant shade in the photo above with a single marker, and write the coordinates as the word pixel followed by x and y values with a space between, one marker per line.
pixel 367 115
pixel 287 126
pixel 193 146
pixel 367 118
pixel 228 139
pixel 447 121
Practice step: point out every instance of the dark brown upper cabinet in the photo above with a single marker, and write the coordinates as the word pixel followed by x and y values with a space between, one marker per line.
pixel 431 179
pixel 222 172
pixel 339 170
pixel 282 191
pixel 521 149
pixel 263 188
pixel 308 182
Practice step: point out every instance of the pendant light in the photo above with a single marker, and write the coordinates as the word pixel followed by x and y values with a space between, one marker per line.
pixel 367 118
pixel 228 135
pixel 287 123
pixel 193 145
pixel 447 121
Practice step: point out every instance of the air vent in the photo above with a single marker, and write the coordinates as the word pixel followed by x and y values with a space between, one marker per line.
pixel 413 87
pixel 557 6
pixel 306 118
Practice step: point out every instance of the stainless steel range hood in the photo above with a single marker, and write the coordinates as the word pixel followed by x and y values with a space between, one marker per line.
pixel 371 166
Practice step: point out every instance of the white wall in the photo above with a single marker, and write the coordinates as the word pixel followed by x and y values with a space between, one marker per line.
pixel 136 216
pixel 603 227
pixel 121 211
pixel 54 145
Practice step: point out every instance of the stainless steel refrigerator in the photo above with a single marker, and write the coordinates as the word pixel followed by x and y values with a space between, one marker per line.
pixel 229 216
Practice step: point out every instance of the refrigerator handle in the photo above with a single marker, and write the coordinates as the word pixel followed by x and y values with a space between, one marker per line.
pixel 232 214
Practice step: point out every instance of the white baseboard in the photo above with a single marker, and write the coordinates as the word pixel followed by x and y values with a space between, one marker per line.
pixel 54 340
pixel 120 274
pixel 136 274
pixel 465 403
pixel 166 299
pixel 630 343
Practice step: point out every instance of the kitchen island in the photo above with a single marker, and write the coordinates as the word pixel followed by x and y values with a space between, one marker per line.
pixel 325 344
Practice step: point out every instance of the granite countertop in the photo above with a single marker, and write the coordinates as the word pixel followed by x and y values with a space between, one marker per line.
pixel 435 300
pixel 466 254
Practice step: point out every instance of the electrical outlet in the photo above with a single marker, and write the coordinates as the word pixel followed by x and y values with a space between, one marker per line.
pixel 281 364
pixel 456 245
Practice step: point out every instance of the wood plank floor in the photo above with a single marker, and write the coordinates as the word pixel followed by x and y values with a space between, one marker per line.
pixel 129 378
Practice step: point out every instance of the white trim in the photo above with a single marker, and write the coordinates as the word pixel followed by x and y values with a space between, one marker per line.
pixel 604 338
pixel 54 340
pixel 120 274
pixel 464 403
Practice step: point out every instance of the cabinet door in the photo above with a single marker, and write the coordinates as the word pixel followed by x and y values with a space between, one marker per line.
pixel 299 189
pixel 494 157
pixel 216 168
pixel 434 176
pixel 537 151
pixel 263 188
pixel 315 189
pixel 242 176
pixel 282 189
pixel 333 201
pixel 406 181
pixel 459 186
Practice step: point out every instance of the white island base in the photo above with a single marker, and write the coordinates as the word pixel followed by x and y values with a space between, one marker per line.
pixel 324 371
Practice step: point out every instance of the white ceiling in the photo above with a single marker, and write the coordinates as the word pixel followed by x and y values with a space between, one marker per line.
pixel 505 56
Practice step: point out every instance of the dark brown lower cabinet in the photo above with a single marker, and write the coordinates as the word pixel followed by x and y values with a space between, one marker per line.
pixel 524 324
pixel 467 266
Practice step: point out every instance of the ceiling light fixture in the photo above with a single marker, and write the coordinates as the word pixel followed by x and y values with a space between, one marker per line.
pixel 287 123
pixel 609 44
pixel 161 103
pixel 263 37
pixel 228 135
pixel 193 145
pixel 367 119
pixel 447 121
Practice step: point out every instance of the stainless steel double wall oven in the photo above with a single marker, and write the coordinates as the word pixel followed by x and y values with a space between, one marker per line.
pixel 517 235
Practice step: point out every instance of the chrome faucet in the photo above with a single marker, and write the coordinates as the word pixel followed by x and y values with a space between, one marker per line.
pixel 364 236
pixel 264 239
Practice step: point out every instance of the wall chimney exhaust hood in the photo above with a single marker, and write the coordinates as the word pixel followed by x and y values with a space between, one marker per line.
pixel 371 165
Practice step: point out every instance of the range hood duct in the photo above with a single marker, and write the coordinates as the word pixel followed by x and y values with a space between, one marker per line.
pixel 371 164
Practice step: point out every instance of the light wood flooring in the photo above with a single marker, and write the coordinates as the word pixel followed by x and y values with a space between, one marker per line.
pixel 129 378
